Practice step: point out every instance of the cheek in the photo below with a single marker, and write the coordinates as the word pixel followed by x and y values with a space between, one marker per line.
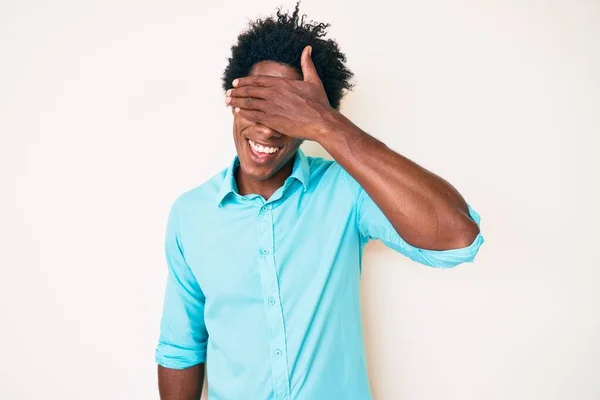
pixel 296 143
pixel 240 123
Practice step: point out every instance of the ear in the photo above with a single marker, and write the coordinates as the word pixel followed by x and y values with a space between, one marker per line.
pixel 308 68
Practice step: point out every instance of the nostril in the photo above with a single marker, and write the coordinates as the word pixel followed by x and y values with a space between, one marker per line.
pixel 270 132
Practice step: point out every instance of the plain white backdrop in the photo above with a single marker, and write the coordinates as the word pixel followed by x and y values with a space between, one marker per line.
pixel 110 109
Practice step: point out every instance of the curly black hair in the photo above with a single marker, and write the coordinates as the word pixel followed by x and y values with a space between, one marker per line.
pixel 282 40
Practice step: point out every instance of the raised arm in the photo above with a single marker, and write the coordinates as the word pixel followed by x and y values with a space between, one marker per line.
pixel 423 208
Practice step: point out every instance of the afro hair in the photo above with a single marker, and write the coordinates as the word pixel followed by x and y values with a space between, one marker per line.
pixel 282 40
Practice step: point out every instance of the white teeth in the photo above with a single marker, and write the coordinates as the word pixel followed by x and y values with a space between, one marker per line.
pixel 262 149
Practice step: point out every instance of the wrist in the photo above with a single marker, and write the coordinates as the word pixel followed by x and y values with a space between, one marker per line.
pixel 335 129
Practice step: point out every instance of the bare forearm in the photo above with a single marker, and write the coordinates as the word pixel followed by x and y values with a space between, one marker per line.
pixel 424 209
pixel 180 384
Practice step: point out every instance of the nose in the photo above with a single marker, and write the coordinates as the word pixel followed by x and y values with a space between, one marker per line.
pixel 267 132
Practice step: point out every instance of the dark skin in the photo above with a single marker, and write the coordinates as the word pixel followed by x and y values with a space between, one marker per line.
pixel 278 108
pixel 254 176
pixel 180 384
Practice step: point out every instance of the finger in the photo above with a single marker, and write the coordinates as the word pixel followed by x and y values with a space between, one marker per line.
pixel 256 80
pixel 259 92
pixel 308 67
pixel 248 103
pixel 251 115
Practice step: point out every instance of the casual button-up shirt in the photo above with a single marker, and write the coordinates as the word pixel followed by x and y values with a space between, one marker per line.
pixel 267 292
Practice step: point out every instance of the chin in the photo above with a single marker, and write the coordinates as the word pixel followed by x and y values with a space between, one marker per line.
pixel 259 173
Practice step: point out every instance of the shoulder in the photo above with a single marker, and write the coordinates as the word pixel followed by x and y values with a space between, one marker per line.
pixel 324 171
pixel 323 168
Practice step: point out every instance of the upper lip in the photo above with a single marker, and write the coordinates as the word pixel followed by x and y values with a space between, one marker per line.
pixel 263 144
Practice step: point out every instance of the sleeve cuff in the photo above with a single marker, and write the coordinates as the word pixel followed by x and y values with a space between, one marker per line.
pixel 178 358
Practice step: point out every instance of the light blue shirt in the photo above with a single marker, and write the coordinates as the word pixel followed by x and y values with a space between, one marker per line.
pixel 267 292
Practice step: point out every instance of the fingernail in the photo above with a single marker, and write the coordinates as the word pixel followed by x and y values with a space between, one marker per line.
pixel 235 82
pixel 237 109
pixel 227 100
pixel 228 92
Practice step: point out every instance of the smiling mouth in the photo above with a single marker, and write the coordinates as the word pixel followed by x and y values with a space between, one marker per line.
pixel 262 152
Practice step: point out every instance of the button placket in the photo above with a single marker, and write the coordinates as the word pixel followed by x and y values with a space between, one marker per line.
pixel 274 313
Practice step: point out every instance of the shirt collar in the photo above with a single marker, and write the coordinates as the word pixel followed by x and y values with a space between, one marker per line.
pixel 300 171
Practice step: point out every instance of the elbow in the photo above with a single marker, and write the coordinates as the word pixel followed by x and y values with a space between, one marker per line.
pixel 462 238
pixel 467 234
pixel 458 230
pixel 463 246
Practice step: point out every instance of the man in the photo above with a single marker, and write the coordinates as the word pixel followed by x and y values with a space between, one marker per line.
pixel 265 258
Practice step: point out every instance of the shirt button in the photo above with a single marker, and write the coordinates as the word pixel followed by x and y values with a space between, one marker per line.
pixel 271 301
pixel 264 209
pixel 265 251
pixel 277 353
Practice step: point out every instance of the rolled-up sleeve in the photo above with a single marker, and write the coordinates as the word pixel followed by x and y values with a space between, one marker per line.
pixel 183 334
pixel 373 225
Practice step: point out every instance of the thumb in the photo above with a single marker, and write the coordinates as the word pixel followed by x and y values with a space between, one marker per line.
pixel 308 68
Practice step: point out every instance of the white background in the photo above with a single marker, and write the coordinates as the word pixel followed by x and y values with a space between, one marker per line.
pixel 109 110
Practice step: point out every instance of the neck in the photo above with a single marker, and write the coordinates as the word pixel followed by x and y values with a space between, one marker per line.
pixel 266 187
